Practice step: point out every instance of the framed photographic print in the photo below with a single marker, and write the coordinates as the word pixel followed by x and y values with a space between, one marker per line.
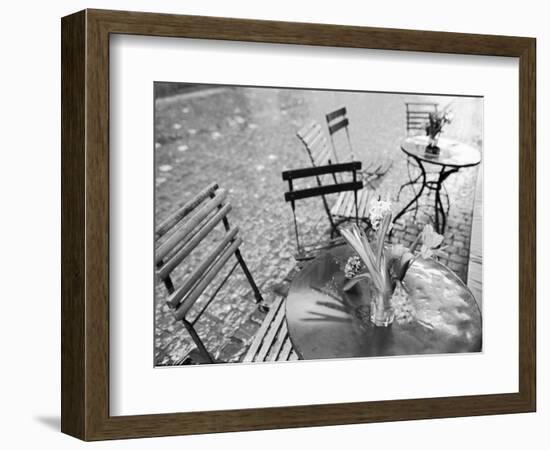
pixel 270 224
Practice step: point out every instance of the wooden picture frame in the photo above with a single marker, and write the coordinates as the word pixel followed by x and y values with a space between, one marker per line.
pixel 85 224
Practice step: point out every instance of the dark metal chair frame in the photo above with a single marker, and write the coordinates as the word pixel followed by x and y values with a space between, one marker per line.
pixel 336 121
pixel 321 154
pixel 321 190
pixel 178 236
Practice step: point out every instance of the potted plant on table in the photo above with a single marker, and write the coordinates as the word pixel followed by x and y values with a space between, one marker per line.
pixel 385 265
pixel 434 127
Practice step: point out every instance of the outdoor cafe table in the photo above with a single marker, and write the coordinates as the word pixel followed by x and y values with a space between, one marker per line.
pixel 452 157
pixel 325 322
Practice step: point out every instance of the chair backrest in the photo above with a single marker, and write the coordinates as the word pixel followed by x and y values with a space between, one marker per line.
pixel 293 195
pixel 179 235
pixel 337 121
pixel 418 114
pixel 316 145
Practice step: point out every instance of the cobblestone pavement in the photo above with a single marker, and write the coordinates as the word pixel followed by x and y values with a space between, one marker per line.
pixel 242 138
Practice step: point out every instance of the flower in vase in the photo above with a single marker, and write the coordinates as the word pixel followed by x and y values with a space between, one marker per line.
pixel 353 267
pixel 436 122
pixel 377 212
pixel 372 257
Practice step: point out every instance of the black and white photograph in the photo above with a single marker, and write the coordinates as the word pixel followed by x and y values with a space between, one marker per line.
pixel 301 224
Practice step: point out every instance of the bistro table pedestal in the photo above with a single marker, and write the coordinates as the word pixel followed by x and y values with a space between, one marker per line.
pixel 452 157
pixel 325 322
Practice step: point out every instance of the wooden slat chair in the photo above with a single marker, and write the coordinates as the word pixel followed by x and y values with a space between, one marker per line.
pixel 418 115
pixel 316 144
pixel 178 236
pixel 272 342
pixel 337 121
pixel 351 188
pixel 321 154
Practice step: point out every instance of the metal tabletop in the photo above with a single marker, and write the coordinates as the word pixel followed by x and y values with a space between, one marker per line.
pixel 325 322
pixel 452 153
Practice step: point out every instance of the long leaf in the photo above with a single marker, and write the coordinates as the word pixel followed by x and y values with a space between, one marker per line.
pixel 372 263
pixel 358 241
pixel 381 237
pixel 349 284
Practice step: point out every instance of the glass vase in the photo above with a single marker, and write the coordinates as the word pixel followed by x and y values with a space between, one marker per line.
pixel 381 310
pixel 433 140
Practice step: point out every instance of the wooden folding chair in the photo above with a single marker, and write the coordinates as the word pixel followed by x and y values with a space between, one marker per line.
pixel 337 121
pixel 178 236
pixel 418 115
pixel 272 342
pixel 351 188
pixel 321 154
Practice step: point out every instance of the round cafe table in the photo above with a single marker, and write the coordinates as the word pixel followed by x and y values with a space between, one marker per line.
pixel 452 157
pixel 325 322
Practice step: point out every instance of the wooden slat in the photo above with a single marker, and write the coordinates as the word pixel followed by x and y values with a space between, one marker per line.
pixel 306 130
pixel 315 140
pixel 366 196
pixel 319 150
pixel 419 113
pixel 201 286
pixel 323 158
pixel 258 339
pixel 350 207
pixel 336 208
pixel 202 269
pixel 205 305
pixel 185 209
pixel 273 354
pixel 361 197
pixel 185 229
pixel 293 356
pixel 287 348
pixel 270 336
pixel 179 256
pixel 317 145
pixel 311 133
pixel 343 204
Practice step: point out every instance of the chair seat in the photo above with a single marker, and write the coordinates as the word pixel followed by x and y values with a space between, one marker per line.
pixel 378 168
pixel 345 204
pixel 311 251
pixel 272 342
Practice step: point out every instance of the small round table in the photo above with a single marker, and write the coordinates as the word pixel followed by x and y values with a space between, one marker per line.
pixel 452 157
pixel 325 322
